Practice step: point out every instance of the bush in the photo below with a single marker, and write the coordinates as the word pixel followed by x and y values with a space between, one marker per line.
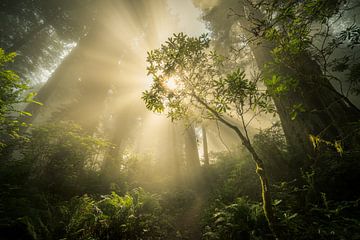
pixel 233 175
pixel 12 95
pixel 303 218
pixel 137 215
pixel 65 160
pixel 239 220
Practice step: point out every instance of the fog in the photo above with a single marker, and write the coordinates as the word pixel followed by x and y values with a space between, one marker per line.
pixel 99 83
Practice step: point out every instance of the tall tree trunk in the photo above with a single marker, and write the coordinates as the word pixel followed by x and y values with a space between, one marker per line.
pixel 191 148
pixel 168 151
pixel 28 37
pixel 79 79
pixel 176 156
pixel 68 71
pixel 119 131
pixel 327 113
pixel 324 112
pixel 61 74
pixel 205 146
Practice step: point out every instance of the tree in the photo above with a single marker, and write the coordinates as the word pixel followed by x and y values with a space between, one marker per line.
pixel 205 145
pixel 191 149
pixel 88 89
pixel 42 31
pixel 191 81
pixel 12 93
pixel 278 34
pixel 63 158
pixel 68 18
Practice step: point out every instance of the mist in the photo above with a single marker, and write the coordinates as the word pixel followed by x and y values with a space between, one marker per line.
pixel 169 119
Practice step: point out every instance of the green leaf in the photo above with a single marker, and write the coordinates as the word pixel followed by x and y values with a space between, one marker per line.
pixel 25 113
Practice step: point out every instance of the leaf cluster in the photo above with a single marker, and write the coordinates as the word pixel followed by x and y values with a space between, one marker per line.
pixel 241 219
pixel 203 78
pixel 12 93
pixel 136 215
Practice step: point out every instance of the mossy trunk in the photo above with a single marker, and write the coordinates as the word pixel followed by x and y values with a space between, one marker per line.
pixel 260 170
pixel 265 188
pixel 311 106
pixel 323 111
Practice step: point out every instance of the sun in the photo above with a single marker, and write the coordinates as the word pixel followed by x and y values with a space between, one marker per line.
pixel 171 84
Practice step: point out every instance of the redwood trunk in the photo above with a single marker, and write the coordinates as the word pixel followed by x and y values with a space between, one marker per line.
pixel 205 146
pixel 326 112
pixel 191 149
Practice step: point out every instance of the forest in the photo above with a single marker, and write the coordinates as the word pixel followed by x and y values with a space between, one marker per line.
pixel 180 119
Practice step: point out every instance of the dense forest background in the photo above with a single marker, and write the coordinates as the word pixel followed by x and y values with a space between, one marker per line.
pixel 169 119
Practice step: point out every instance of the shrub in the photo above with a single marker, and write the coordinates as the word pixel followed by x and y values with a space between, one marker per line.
pixel 137 215
pixel 239 220
pixel 64 159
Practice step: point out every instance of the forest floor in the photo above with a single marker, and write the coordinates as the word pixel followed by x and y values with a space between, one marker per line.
pixel 190 221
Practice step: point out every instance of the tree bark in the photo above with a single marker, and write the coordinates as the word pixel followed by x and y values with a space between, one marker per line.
pixel 205 146
pixel 191 149
pixel 326 113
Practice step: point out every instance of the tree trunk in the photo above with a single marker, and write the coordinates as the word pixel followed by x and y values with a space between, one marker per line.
pixel 327 113
pixel 191 149
pixel 324 112
pixel 27 38
pixel 265 186
pixel 119 132
pixel 84 87
pixel 260 170
pixel 175 153
pixel 68 71
pixel 205 146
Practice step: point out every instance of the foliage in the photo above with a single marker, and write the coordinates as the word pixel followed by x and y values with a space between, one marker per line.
pixel 302 218
pixel 278 85
pixel 11 94
pixel 313 28
pixel 206 85
pixel 141 215
pixel 231 176
pixel 59 163
pixel 239 220
pixel 303 210
pixel 203 79
pixel 137 215
pixel 273 134
pixel 271 143
pixel 63 157
pixel 143 171
pixel 52 187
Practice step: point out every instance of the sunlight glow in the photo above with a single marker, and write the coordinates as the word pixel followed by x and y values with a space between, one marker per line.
pixel 171 84
pixel 115 51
